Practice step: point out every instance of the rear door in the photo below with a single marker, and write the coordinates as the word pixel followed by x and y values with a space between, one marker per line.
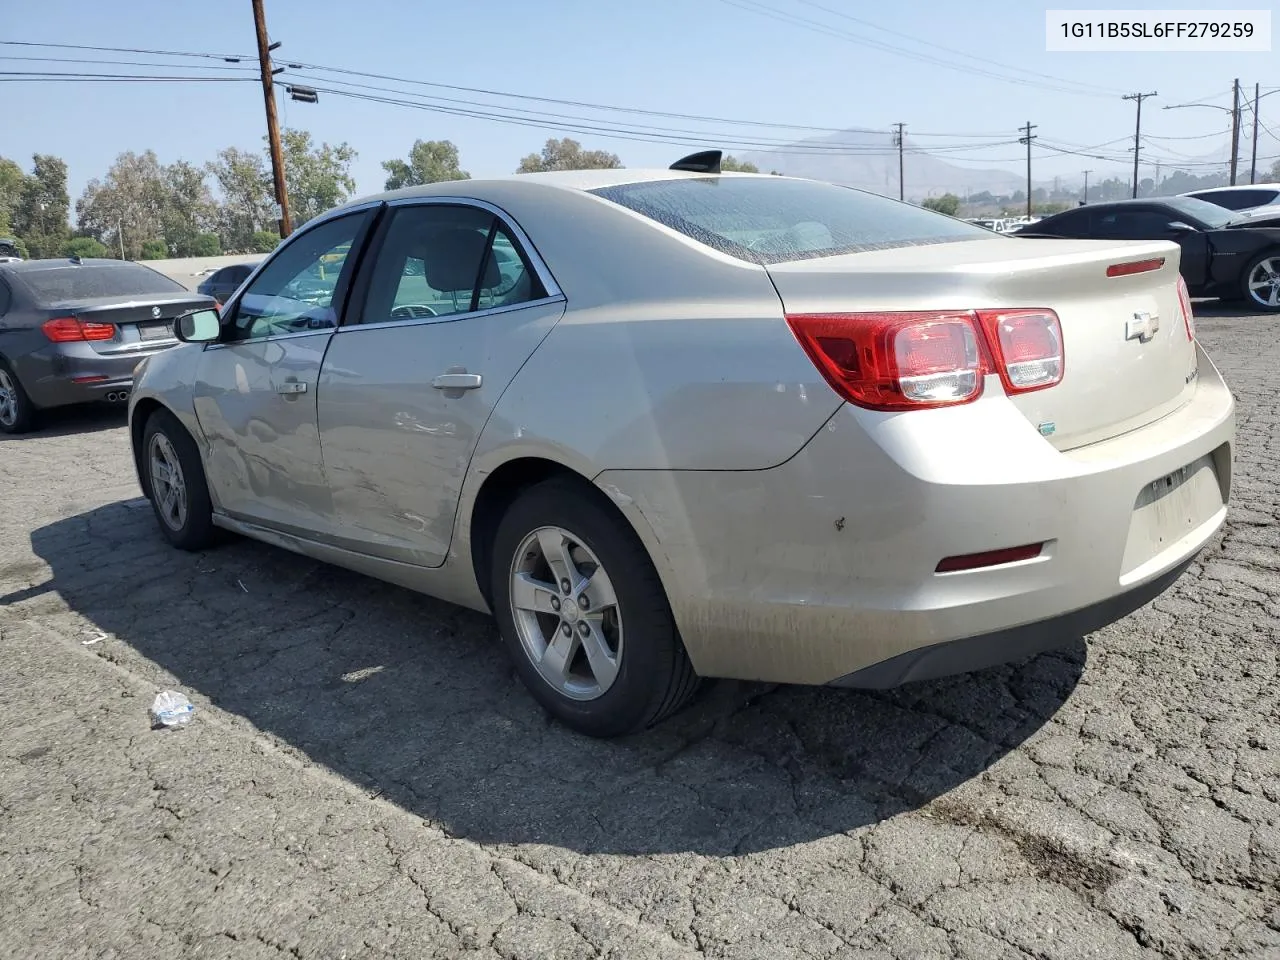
pixel 255 391
pixel 451 306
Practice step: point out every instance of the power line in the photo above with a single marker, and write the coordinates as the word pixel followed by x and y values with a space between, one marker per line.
pixel 761 9
pixel 951 50
pixel 162 53
pixel 17 76
pixel 126 63
pixel 594 125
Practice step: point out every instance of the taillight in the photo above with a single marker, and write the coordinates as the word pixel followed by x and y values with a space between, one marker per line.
pixel 72 330
pixel 1184 300
pixel 896 361
pixel 1027 347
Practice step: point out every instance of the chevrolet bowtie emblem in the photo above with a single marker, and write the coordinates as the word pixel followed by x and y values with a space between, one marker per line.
pixel 1142 327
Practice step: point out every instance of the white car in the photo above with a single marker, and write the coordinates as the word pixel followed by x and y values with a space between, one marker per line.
pixel 670 424
pixel 1241 197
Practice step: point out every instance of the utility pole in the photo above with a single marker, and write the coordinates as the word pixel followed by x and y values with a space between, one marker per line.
pixel 1235 128
pixel 120 237
pixel 273 129
pixel 1253 163
pixel 897 139
pixel 1086 185
pixel 1137 133
pixel 1027 138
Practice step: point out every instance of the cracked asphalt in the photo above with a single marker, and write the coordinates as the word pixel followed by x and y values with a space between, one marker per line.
pixel 365 777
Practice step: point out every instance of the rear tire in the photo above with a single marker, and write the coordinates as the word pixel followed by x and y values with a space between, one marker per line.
pixel 176 484
pixel 1260 282
pixel 17 412
pixel 602 656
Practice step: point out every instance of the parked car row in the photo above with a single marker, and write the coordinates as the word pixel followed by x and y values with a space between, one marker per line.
pixel 1235 256
pixel 675 424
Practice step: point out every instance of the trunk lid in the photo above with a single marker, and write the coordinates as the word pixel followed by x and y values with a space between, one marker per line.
pixel 1114 380
pixel 141 321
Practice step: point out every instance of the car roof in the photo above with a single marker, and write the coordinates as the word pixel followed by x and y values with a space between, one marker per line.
pixel 572 180
pixel 35 266
pixel 1236 188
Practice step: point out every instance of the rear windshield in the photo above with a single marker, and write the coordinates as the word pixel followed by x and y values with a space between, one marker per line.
pixel 55 284
pixel 773 219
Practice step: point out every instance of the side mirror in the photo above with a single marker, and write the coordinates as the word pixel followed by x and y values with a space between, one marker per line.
pixel 198 326
pixel 1179 227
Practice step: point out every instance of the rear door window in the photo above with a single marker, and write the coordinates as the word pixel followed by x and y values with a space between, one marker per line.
pixel 775 219
pixel 1238 199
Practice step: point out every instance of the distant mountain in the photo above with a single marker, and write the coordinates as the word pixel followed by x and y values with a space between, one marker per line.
pixel 869 161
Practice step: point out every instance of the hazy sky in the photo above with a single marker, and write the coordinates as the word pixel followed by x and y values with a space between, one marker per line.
pixel 734 59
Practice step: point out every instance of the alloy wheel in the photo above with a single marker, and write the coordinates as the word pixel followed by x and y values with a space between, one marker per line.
pixel 566 613
pixel 8 399
pixel 168 486
pixel 1264 282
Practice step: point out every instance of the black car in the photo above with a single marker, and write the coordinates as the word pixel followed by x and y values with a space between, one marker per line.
pixel 1224 254
pixel 72 331
pixel 221 284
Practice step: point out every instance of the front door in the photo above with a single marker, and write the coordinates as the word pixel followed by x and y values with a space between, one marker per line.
pixel 456 303
pixel 255 393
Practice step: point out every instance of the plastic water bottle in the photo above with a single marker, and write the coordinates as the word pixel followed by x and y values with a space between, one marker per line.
pixel 170 709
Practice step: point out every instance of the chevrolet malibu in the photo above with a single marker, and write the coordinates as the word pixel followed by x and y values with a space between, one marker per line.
pixel 674 424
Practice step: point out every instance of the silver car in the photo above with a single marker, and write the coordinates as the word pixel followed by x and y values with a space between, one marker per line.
pixel 675 424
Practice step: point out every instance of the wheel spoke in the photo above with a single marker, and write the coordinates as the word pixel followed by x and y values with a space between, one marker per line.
pixel 598 589
pixel 604 665
pixel 555 550
pixel 1273 299
pixel 529 593
pixel 558 656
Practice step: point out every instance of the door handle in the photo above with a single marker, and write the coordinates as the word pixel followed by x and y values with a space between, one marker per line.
pixel 457 381
pixel 291 387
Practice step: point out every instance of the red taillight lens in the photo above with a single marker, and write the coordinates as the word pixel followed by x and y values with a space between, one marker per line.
pixel 1135 266
pixel 71 330
pixel 1184 300
pixel 1027 345
pixel 896 361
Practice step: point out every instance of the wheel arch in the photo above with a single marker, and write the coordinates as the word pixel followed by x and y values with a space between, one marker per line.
pixel 504 484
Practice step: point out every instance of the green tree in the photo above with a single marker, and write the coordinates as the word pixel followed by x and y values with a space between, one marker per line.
pixel 948 203
pixel 264 241
pixel 317 178
pixel 206 245
pixel 129 200
pixel 430 161
pixel 734 165
pixel 155 250
pixel 11 181
pixel 188 211
pixel 247 193
pixel 85 247
pixel 40 216
pixel 568 154
pixel 1274 175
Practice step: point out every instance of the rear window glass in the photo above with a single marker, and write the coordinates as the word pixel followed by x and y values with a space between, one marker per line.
pixel 55 284
pixel 772 219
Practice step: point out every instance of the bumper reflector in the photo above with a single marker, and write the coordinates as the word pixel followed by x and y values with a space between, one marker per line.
pixel 990 558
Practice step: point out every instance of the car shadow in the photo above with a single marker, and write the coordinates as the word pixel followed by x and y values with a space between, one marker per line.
pixel 413 700
pixel 69 421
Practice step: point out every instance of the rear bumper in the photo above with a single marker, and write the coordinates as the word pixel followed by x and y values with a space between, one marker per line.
pixel 823 567
pixel 66 373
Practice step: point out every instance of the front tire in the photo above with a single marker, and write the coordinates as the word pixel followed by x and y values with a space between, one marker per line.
pixel 1260 282
pixel 176 483
pixel 583 613
pixel 17 412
